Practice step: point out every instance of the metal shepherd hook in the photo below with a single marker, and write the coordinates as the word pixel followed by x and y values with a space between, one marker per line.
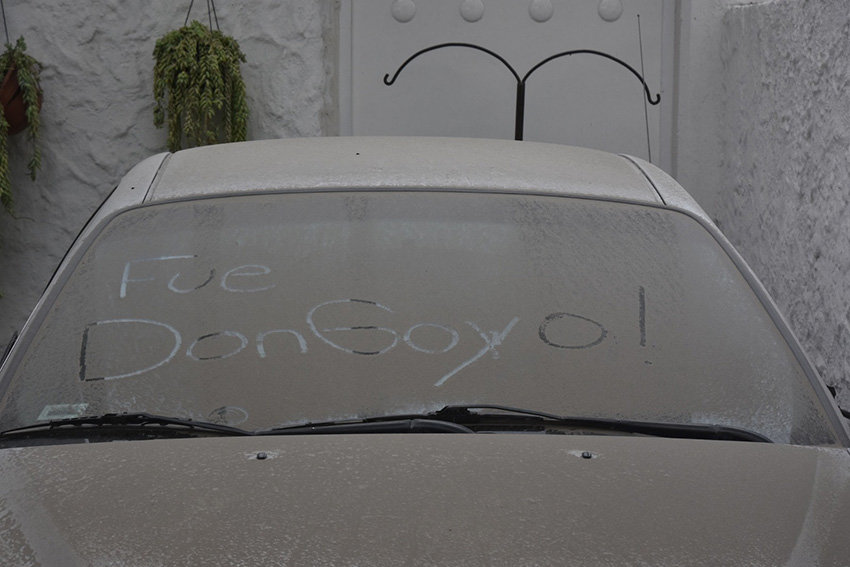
pixel 521 81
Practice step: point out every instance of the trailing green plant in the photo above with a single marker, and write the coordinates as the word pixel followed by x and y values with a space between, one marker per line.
pixel 198 85
pixel 27 70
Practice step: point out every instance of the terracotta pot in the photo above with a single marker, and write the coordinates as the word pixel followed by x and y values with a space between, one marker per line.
pixel 12 100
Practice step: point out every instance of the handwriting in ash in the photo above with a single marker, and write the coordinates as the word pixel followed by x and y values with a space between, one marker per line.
pixel 223 344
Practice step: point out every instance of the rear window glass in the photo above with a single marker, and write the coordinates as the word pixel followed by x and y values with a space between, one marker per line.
pixel 277 309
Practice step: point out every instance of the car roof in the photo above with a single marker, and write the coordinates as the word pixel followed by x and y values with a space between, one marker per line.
pixel 401 163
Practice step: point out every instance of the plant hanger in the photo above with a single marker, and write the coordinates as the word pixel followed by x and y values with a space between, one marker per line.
pixel 5 27
pixel 211 14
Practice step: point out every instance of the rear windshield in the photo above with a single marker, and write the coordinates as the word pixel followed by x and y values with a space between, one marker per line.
pixel 268 310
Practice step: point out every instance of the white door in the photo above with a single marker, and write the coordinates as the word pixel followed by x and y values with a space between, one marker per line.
pixel 593 98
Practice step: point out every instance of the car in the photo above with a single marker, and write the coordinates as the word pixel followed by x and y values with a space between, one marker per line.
pixel 412 351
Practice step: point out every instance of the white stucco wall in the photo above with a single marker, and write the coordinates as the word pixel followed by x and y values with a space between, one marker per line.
pixel 97 118
pixel 786 202
pixel 697 155
pixel 699 119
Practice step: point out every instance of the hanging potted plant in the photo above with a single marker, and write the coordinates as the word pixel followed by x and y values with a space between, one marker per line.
pixel 198 87
pixel 20 96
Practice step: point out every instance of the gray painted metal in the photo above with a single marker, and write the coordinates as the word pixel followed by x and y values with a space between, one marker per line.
pixel 425 500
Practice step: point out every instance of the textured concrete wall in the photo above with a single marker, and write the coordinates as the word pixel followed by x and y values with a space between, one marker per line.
pixel 786 203
pixel 97 118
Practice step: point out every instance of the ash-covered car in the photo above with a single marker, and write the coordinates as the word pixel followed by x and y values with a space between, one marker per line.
pixel 397 351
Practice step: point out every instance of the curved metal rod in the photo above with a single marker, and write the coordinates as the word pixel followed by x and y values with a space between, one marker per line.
pixel 601 54
pixel 388 81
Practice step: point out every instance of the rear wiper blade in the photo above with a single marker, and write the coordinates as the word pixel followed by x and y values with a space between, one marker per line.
pixel 470 416
pixel 120 421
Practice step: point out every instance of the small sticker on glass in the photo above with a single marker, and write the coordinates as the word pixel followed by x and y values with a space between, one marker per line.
pixel 62 411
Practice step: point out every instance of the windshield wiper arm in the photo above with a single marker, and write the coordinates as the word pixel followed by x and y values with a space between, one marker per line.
pixel 466 415
pixel 138 421
pixel 382 424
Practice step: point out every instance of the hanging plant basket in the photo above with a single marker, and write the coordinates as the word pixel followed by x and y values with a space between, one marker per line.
pixel 198 87
pixel 11 97
pixel 21 99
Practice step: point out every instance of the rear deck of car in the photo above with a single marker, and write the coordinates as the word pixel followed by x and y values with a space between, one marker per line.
pixel 396 163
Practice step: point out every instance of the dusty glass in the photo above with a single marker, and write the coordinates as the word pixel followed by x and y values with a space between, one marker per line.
pixel 277 309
